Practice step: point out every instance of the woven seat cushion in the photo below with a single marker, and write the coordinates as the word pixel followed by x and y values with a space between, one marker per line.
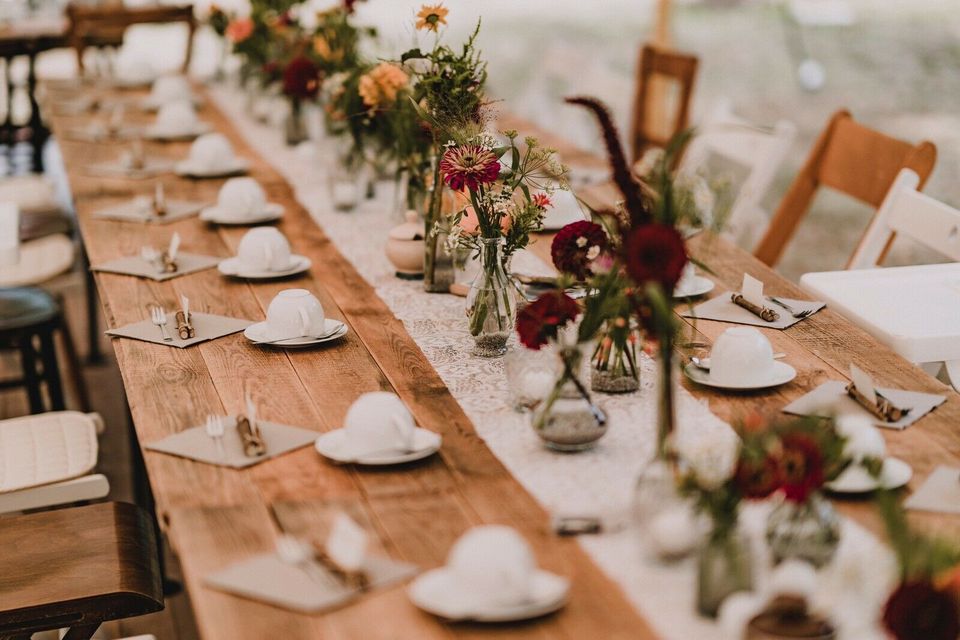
pixel 40 260
pixel 45 448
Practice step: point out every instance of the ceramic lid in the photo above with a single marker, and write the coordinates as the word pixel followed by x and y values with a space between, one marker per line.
pixel 412 229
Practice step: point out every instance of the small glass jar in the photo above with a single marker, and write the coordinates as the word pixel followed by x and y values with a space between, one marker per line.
pixel 568 420
pixel 724 567
pixel 530 376
pixel 808 530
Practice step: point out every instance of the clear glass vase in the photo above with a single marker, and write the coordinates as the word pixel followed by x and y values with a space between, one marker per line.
pixel 491 302
pixel 724 567
pixel 808 530
pixel 294 125
pixel 667 521
pixel 568 419
pixel 614 364
pixel 438 270
pixel 344 175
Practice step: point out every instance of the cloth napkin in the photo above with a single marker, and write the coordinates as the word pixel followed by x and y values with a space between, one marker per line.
pixel 940 492
pixel 831 398
pixel 206 325
pixel 194 443
pixel 266 578
pixel 723 309
pixel 187 263
pixel 134 211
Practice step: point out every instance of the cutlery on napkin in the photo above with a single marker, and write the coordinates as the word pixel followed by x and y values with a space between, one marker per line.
pixel 750 297
pixel 863 390
pixel 159 201
pixel 184 325
pixel 249 432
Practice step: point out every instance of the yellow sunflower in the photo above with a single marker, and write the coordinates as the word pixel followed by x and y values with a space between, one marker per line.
pixel 432 16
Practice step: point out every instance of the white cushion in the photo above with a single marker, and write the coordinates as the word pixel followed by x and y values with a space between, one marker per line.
pixel 40 260
pixel 49 447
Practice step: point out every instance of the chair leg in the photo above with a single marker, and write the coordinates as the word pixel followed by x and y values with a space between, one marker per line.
pixel 28 361
pixel 81 632
pixel 51 370
pixel 74 370
pixel 94 355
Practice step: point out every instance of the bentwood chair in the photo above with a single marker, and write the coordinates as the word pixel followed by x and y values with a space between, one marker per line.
pixel 77 568
pixel 661 107
pixel 852 159
pixel 104 25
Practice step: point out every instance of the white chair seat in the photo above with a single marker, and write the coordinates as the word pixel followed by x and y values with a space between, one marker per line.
pixel 45 449
pixel 40 260
pixel 32 193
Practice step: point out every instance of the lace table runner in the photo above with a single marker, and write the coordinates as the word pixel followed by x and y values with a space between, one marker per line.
pixel 600 481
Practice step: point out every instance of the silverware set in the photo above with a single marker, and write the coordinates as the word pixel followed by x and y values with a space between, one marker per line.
pixel 215 429
pixel 798 314
pixel 159 317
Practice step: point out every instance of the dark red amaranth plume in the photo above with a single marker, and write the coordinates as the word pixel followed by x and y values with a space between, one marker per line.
pixel 634 202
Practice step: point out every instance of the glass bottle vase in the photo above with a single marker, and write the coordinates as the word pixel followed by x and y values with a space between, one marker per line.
pixel 491 302
pixel 567 419
pixel 614 364
pixel 724 566
pixel 294 126
pixel 808 530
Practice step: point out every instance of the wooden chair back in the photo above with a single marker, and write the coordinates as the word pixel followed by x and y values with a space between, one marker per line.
pixel 104 25
pixel 655 118
pixel 850 158
pixel 916 215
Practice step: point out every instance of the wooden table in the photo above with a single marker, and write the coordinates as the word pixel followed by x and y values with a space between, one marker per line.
pixel 214 516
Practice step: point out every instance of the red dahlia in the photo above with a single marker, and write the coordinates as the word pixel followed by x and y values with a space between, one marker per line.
pixel 757 479
pixel 655 252
pixel 576 246
pixel 301 78
pixel 541 320
pixel 801 466
pixel 918 611
pixel 469 165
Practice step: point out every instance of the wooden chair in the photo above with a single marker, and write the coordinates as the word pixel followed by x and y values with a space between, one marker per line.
pixel 104 26
pixel 77 568
pixel 655 120
pixel 850 158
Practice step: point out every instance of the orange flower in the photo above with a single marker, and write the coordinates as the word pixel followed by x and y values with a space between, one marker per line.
pixel 322 48
pixel 239 30
pixel 431 17
pixel 381 84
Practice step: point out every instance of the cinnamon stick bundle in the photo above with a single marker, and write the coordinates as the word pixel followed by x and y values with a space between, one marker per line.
pixel 253 444
pixel 764 313
pixel 883 408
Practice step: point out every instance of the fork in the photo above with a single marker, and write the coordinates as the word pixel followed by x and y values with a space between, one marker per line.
pixel 796 314
pixel 214 429
pixel 159 317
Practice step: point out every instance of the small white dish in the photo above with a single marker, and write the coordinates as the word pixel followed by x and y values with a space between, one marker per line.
pixel 259 333
pixel 696 286
pixel 188 169
pixel 334 445
pixel 234 268
pixel 169 135
pixel 438 592
pixel 217 215
pixel 855 479
pixel 780 373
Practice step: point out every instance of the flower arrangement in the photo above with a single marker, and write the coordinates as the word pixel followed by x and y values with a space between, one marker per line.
pixel 926 603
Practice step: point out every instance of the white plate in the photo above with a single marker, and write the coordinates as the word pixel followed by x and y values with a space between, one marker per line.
pixel 258 333
pixel 186 170
pixel 782 373
pixel 697 287
pixel 232 267
pixel 152 133
pixel 333 445
pixel 215 214
pixel 895 474
pixel 437 592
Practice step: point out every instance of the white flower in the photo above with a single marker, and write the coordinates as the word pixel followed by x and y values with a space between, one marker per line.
pixel 712 458
pixel 863 439
pixel 582 241
pixel 593 252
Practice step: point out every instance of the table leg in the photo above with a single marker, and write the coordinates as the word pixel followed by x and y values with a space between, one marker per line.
pixel 7 128
pixel 38 131
pixel 81 631
pixel 28 361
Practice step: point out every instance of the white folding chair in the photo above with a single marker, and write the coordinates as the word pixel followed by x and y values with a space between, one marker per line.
pixel 756 154
pixel 926 220
pixel 48 459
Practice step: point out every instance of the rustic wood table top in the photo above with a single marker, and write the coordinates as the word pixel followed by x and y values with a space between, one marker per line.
pixel 215 516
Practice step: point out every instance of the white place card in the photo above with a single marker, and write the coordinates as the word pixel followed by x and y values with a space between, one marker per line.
pixel 863 383
pixel 752 290
pixel 939 493
pixel 347 543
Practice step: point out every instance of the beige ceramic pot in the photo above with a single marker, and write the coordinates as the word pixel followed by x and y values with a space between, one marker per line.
pixel 405 247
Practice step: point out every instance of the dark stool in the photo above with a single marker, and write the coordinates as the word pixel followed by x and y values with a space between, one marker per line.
pixel 29 318
pixel 77 568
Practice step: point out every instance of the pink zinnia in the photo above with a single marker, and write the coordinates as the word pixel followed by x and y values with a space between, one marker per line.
pixel 542 200
pixel 469 166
